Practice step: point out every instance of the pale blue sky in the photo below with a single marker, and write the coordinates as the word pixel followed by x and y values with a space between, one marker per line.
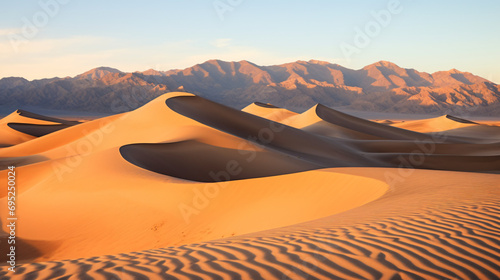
pixel 138 35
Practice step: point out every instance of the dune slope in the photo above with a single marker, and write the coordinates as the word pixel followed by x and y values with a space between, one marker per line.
pixel 415 231
pixel 186 188
pixel 21 126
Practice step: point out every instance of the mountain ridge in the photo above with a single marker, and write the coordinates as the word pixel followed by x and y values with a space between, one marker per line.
pixel 382 86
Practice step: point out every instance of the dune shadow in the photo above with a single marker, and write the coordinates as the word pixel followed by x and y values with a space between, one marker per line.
pixel 45 118
pixel 20 161
pixel 38 130
pixel 195 161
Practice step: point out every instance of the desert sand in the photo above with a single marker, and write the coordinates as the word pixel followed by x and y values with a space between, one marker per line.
pixel 185 188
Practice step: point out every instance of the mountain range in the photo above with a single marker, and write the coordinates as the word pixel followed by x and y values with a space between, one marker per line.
pixel 379 87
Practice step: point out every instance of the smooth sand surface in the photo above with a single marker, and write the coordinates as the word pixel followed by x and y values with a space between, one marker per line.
pixel 269 111
pixel 185 188
pixel 450 126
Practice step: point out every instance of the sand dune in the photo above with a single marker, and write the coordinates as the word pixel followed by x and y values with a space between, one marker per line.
pixel 438 124
pixel 269 111
pixel 452 153
pixel 195 161
pixel 451 126
pixel 16 127
pixel 37 130
pixel 415 231
pixel 267 133
pixel 163 211
pixel 365 126
pixel 309 121
pixel 42 118
pixel 185 188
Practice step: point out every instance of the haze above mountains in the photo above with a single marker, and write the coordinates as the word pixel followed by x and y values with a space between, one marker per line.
pixel 379 87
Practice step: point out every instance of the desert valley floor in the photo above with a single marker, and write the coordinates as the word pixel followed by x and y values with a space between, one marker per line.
pixel 185 188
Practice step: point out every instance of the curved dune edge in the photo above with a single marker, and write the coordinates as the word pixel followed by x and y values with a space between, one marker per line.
pixel 163 214
pixel 269 111
pixel 21 126
pixel 448 153
pixel 154 121
pixel 37 130
pixel 310 121
pixel 272 135
pixel 451 126
pixel 196 161
pixel 460 120
pixel 368 127
pixel 444 228
pixel 38 117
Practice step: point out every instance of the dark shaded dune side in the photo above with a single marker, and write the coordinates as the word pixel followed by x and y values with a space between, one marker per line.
pixel 196 161
pixel 265 105
pixel 273 135
pixel 426 147
pixel 37 130
pixel 460 120
pixel 373 128
pixel 24 250
pixel 489 164
pixel 291 150
pixel 483 134
pixel 45 118
pixel 366 126
pixel 408 149
pixel 334 131
pixel 5 162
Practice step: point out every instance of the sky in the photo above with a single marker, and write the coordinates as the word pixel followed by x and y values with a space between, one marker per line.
pixel 49 38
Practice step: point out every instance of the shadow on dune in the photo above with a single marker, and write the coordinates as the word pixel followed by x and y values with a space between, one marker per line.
pixel 289 149
pixel 202 162
pixel 25 251
pixel 266 105
pixel 20 161
pixel 373 128
pixel 38 130
pixel 45 118
pixel 270 134
pixel 460 120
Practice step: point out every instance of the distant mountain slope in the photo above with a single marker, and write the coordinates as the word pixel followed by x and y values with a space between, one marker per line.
pixel 97 73
pixel 381 87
